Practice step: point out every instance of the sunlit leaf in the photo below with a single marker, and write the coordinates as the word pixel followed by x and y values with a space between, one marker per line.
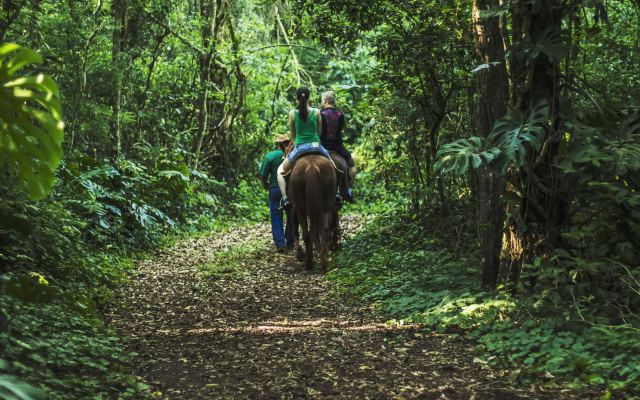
pixel 31 127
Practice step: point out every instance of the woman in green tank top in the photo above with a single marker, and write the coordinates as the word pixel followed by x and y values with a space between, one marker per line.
pixel 305 124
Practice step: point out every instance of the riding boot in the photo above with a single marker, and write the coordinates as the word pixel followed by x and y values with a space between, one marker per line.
pixel 285 204
pixel 346 191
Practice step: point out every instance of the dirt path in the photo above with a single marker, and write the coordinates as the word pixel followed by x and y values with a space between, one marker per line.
pixel 261 327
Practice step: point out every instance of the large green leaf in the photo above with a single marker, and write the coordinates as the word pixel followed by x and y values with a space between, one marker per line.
pixel 14 389
pixel 31 127
pixel 513 135
pixel 459 154
pixel 553 42
pixel 497 11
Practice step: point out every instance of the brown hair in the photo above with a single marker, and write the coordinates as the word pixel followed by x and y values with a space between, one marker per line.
pixel 303 95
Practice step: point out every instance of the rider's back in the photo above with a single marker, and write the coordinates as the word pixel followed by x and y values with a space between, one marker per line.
pixel 332 125
pixel 306 131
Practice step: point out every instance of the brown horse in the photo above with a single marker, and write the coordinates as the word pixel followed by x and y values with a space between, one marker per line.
pixel 312 190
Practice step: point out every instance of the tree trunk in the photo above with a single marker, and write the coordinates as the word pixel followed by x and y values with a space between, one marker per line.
pixel 10 12
pixel 209 10
pixel 83 77
pixel 119 38
pixel 493 94
pixel 533 81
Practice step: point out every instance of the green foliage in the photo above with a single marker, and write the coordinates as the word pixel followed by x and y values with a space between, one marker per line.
pixel 571 330
pixel 507 146
pixel 513 132
pixel 66 353
pixel 552 42
pixel 402 267
pixel 14 389
pixel 401 72
pixel 568 325
pixel 465 151
pixel 30 137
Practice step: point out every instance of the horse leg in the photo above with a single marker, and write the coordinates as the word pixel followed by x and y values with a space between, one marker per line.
pixel 326 235
pixel 296 235
pixel 323 258
pixel 335 230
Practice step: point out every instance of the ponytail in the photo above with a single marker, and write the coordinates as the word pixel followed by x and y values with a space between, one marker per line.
pixel 303 103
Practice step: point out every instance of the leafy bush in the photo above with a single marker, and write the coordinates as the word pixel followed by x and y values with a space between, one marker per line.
pixel 590 339
pixel 572 319
pixel 52 340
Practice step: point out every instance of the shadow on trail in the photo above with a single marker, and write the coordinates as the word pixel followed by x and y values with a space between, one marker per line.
pixel 277 332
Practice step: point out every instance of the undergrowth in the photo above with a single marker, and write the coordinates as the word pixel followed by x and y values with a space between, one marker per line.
pixel 547 334
pixel 60 255
pixel 67 353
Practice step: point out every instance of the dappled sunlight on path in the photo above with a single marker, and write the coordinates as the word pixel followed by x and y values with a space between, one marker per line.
pixel 263 328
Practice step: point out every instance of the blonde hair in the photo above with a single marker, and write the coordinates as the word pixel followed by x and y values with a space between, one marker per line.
pixel 330 97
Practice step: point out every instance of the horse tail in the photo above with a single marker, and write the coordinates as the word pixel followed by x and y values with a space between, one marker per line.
pixel 315 204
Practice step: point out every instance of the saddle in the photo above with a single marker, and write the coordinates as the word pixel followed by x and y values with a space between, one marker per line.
pixel 334 157
pixel 339 164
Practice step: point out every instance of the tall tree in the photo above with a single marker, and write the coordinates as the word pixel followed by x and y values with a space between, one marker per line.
pixel 119 8
pixel 535 82
pixel 493 94
pixel 211 12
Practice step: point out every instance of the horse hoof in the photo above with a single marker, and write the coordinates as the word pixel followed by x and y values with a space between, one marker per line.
pixel 301 256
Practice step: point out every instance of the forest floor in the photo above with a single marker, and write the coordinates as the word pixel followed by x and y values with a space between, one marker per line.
pixel 226 317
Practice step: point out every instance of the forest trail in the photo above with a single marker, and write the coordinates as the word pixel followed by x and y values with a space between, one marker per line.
pixel 262 327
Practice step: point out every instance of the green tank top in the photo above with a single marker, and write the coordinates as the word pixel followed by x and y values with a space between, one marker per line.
pixel 306 131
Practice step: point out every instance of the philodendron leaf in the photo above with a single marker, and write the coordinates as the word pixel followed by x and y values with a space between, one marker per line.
pixel 31 127
pixel 13 388
pixel 459 154
pixel 498 11
pixel 514 135
pixel 553 42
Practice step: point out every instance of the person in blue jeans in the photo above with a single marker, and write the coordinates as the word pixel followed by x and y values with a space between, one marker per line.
pixel 282 237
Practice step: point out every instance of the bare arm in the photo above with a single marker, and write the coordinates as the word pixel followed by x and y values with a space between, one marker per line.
pixel 265 182
pixel 319 119
pixel 292 126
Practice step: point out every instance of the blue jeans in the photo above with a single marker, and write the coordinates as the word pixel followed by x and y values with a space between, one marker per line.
pixel 302 148
pixel 281 236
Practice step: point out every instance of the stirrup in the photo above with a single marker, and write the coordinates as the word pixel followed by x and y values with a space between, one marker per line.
pixel 285 204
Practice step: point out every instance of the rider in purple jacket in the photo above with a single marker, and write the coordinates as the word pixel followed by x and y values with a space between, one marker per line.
pixel 331 137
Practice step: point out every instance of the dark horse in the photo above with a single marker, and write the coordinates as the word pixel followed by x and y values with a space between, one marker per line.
pixel 312 190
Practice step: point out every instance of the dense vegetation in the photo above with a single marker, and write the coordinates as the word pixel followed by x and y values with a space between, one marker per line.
pixel 498 144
